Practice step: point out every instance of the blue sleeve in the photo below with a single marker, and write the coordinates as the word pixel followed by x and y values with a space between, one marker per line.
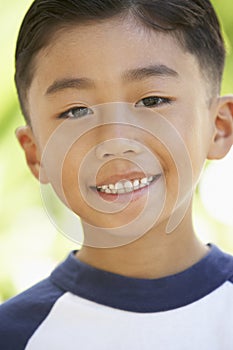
pixel 22 315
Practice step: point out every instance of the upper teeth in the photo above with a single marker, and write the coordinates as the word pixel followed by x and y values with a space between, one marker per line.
pixel 126 186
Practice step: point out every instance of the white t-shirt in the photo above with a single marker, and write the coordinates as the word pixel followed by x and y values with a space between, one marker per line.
pixel 81 307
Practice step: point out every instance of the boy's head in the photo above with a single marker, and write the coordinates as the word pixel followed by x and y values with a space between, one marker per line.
pixel 123 106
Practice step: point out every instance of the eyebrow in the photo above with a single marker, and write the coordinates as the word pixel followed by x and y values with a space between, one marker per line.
pixel 158 70
pixel 70 83
pixel 138 74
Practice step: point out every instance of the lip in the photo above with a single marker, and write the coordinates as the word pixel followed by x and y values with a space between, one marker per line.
pixel 120 177
pixel 126 197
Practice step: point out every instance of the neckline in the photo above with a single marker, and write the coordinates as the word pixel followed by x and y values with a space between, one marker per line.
pixel 144 295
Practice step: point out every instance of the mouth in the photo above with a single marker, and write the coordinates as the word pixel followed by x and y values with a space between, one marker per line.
pixel 126 186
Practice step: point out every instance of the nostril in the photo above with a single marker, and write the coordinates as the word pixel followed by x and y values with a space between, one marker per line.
pixel 106 155
pixel 117 148
pixel 128 151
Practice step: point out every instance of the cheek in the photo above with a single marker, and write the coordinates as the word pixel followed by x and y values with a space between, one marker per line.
pixel 198 142
pixel 194 128
pixel 61 162
pixel 71 177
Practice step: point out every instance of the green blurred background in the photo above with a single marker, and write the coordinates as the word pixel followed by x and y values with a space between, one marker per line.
pixel 30 245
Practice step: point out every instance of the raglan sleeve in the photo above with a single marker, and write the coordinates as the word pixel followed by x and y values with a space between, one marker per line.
pixel 22 315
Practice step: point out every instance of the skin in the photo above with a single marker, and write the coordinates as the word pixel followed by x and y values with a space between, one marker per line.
pixel 103 53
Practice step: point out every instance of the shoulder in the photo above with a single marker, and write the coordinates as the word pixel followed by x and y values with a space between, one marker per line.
pixel 21 315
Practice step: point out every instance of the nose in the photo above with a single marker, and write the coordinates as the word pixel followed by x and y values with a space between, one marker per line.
pixel 117 147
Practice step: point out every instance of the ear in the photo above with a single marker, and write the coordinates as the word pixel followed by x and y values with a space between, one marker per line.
pixel 27 141
pixel 223 135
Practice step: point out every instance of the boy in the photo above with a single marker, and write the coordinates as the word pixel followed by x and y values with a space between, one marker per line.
pixel 122 110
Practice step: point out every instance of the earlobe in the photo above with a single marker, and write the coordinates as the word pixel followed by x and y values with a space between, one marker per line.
pixel 223 135
pixel 27 141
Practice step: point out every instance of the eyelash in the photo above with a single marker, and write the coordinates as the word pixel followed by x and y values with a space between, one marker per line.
pixel 151 102
pixel 70 114
pixel 159 101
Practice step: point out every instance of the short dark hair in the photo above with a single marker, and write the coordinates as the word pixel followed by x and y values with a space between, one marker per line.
pixel 193 22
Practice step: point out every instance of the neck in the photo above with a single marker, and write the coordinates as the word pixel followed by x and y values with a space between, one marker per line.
pixel 154 255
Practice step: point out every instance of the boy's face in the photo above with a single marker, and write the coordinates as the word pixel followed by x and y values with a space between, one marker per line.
pixel 115 66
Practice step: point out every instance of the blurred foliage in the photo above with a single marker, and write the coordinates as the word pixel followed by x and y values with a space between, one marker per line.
pixel 29 244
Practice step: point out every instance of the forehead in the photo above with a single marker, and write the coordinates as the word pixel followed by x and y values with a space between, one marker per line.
pixel 104 51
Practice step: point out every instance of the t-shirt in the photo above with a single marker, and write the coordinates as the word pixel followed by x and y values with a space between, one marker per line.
pixel 81 307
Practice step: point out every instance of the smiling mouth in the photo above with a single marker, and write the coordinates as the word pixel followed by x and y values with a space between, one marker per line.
pixel 127 186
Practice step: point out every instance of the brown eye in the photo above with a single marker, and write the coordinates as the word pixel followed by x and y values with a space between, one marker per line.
pixel 76 112
pixel 153 101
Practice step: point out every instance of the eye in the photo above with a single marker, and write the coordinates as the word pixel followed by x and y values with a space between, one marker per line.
pixel 75 113
pixel 153 101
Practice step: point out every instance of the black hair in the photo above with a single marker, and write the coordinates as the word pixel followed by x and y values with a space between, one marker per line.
pixel 193 22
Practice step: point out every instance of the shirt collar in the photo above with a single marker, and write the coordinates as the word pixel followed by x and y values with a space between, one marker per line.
pixel 144 295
